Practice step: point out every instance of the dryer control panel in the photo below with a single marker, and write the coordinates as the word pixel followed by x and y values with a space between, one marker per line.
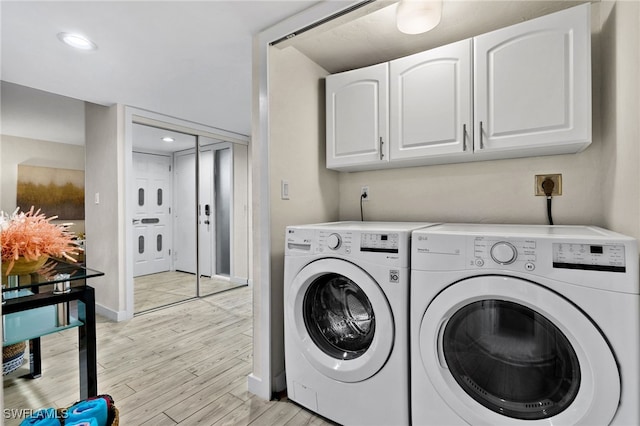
pixel 589 257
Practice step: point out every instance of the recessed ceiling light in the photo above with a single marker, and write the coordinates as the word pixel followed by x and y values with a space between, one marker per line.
pixel 77 41
pixel 168 139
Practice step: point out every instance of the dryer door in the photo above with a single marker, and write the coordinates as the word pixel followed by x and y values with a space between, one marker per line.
pixel 342 318
pixel 501 350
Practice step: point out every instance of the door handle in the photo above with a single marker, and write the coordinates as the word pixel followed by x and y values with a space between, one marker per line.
pixel 464 137
pixel 136 221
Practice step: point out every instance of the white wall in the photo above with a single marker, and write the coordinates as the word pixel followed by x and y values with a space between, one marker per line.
pixel 489 191
pixel 296 108
pixel 105 221
pixel 620 162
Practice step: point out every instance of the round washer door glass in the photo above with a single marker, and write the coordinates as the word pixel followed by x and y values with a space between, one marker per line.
pixel 339 316
pixel 511 359
pixel 524 353
pixel 340 319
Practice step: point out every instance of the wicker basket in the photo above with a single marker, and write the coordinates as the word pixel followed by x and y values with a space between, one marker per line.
pixel 12 357
pixel 116 418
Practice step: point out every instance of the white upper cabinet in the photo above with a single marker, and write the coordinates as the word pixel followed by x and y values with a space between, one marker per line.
pixel 430 104
pixel 520 91
pixel 533 86
pixel 357 118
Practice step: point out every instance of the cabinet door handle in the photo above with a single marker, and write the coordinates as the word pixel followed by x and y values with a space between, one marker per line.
pixel 481 140
pixel 464 137
pixel 381 153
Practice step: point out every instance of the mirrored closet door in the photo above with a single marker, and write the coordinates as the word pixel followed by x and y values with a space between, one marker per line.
pixel 183 216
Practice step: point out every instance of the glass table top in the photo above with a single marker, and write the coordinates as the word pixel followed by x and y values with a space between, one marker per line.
pixel 54 271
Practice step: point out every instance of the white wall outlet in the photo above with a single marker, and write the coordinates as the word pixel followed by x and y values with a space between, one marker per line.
pixel 365 194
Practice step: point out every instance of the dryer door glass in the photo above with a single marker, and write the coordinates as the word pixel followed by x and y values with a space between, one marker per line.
pixel 339 317
pixel 511 359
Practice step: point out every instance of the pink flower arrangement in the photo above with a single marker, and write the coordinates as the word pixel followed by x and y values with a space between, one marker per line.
pixel 31 235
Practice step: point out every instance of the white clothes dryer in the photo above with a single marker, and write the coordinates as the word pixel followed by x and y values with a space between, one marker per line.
pixel 524 325
pixel 346 304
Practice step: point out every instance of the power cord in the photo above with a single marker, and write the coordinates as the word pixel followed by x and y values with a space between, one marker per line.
pixel 547 187
pixel 362 197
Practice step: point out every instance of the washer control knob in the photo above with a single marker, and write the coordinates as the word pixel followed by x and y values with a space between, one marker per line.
pixel 334 241
pixel 504 253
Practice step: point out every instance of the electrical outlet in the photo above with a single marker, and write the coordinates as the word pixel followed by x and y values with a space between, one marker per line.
pixel 364 193
pixel 557 184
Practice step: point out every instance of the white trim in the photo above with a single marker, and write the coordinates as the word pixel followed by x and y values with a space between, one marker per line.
pixel 241 281
pixel 159 120
pixel 264 386
pixel 110 314
pixel 254 384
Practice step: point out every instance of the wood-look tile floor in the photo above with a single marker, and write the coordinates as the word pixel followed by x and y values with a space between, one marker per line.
pixel 157 290
pixel 186 364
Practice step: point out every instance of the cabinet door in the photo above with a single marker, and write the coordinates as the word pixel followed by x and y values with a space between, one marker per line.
pixel 357 122
pixel 533 85
pixel 430 103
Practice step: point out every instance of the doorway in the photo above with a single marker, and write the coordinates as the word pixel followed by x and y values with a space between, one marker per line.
pixel 182 216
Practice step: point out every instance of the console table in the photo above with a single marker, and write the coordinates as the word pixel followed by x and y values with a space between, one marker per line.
pixel 32 309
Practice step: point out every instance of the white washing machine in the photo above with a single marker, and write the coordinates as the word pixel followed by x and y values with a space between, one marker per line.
pixel 346 304
pixel 524 325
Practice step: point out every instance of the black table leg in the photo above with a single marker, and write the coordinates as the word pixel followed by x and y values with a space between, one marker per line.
pixel 35 358
pixel 87 345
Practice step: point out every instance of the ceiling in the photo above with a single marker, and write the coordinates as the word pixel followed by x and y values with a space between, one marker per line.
pixel 192 59
pixel 372 37
pixel 186 59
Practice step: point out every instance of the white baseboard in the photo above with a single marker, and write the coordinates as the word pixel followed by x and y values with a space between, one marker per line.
pixel 256 386
pixel 239 281
pixel 112 315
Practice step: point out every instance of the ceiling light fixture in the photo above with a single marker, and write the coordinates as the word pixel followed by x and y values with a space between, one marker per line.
pixel 77 41
pixel 168 139
pixel 418 16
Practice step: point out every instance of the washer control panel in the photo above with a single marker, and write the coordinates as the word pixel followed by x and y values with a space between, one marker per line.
pixel 592 257
pixel 491 251
pixel 335 242
pixel 380 247
pixel 379 242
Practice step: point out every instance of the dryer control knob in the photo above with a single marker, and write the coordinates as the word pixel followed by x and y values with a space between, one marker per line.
pixel 334 241
pixel 504 253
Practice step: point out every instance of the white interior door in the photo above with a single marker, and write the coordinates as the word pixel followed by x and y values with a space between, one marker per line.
pixel 151 219
pixel 185 212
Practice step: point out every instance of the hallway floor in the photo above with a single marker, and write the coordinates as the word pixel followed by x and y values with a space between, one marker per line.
pixel 157 290
pixel 186 364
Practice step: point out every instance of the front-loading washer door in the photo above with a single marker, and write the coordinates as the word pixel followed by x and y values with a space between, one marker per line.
pixel 342 319
pixel 500 350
